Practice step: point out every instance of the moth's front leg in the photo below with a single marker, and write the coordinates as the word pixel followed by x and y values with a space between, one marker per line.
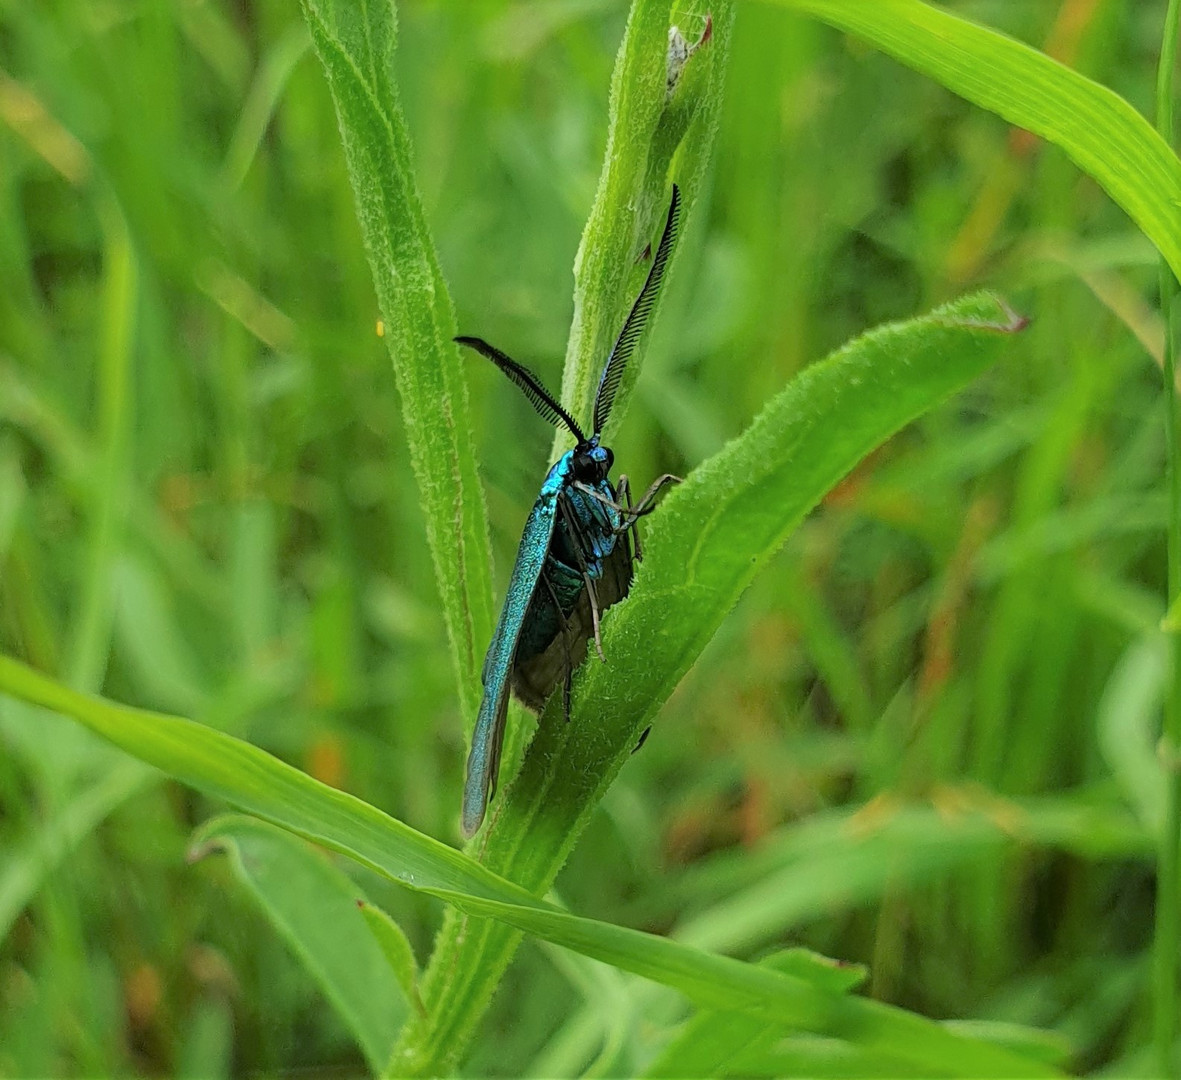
pixel 579 546
pixel 648 503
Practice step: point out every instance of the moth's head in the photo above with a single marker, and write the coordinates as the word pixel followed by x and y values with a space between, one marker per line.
pixel 592 462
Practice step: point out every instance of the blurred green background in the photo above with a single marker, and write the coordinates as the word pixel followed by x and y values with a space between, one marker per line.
pixel 924 740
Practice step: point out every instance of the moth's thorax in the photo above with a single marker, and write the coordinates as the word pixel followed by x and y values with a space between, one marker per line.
pixel 588 463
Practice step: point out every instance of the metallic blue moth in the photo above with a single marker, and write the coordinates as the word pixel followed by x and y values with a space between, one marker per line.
pixel 575 557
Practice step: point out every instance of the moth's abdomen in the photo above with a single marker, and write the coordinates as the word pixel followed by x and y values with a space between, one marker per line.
pixel 543 620
pixel 550 646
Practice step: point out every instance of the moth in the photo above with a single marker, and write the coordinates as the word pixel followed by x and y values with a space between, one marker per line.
pixel 576 553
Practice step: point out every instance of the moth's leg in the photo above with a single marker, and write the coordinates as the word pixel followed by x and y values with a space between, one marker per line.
pixel 624 491
pixel 645 506
pixel 648 503
pixel 586 489
pixel 594 606
pixel 632 514
pixel 579 546
pixel 643 739
pixel 615 504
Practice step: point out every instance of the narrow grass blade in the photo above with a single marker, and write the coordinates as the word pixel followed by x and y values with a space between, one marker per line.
pixel 1127 721
pixel 313 906
pixel 249 778
pixel 1166 988
pixel 708 1043
pixel 398 954
pixel 719 982
pixel 853 857
pixel 24 870
pixel 115 391
pixel 1102 133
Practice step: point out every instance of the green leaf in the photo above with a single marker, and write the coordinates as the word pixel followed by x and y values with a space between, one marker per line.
pixel 711 1040
pixel 151 637
pixel 814 1057
pixel 786 1001
pixel 1099 130
pixel 734 1044
pixel 1046 1046
pixel 242 774
pixel 1127 724
pixel 313 905
pixel 852 857
pixel 94 614
pixel 355 44
pixel 225 767
pixel 398 953
pixel 207 1048
pixel 708 539
pixel 253 572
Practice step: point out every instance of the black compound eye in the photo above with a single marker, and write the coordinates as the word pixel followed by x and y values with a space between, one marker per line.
pixel 609 462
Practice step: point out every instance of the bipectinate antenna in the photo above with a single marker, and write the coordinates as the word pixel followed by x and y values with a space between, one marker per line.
pixel 539 397
pixel 637 319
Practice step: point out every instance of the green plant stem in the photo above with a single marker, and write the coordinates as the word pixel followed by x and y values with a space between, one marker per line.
pixel 654 138
pixel 1168 897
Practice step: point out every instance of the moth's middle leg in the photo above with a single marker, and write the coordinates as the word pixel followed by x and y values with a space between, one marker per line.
pixel 578 545
pixel 624 491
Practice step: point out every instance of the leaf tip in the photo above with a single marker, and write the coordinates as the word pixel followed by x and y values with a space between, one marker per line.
pixel 1016 321
pixel 680 51
pixel 1009 320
